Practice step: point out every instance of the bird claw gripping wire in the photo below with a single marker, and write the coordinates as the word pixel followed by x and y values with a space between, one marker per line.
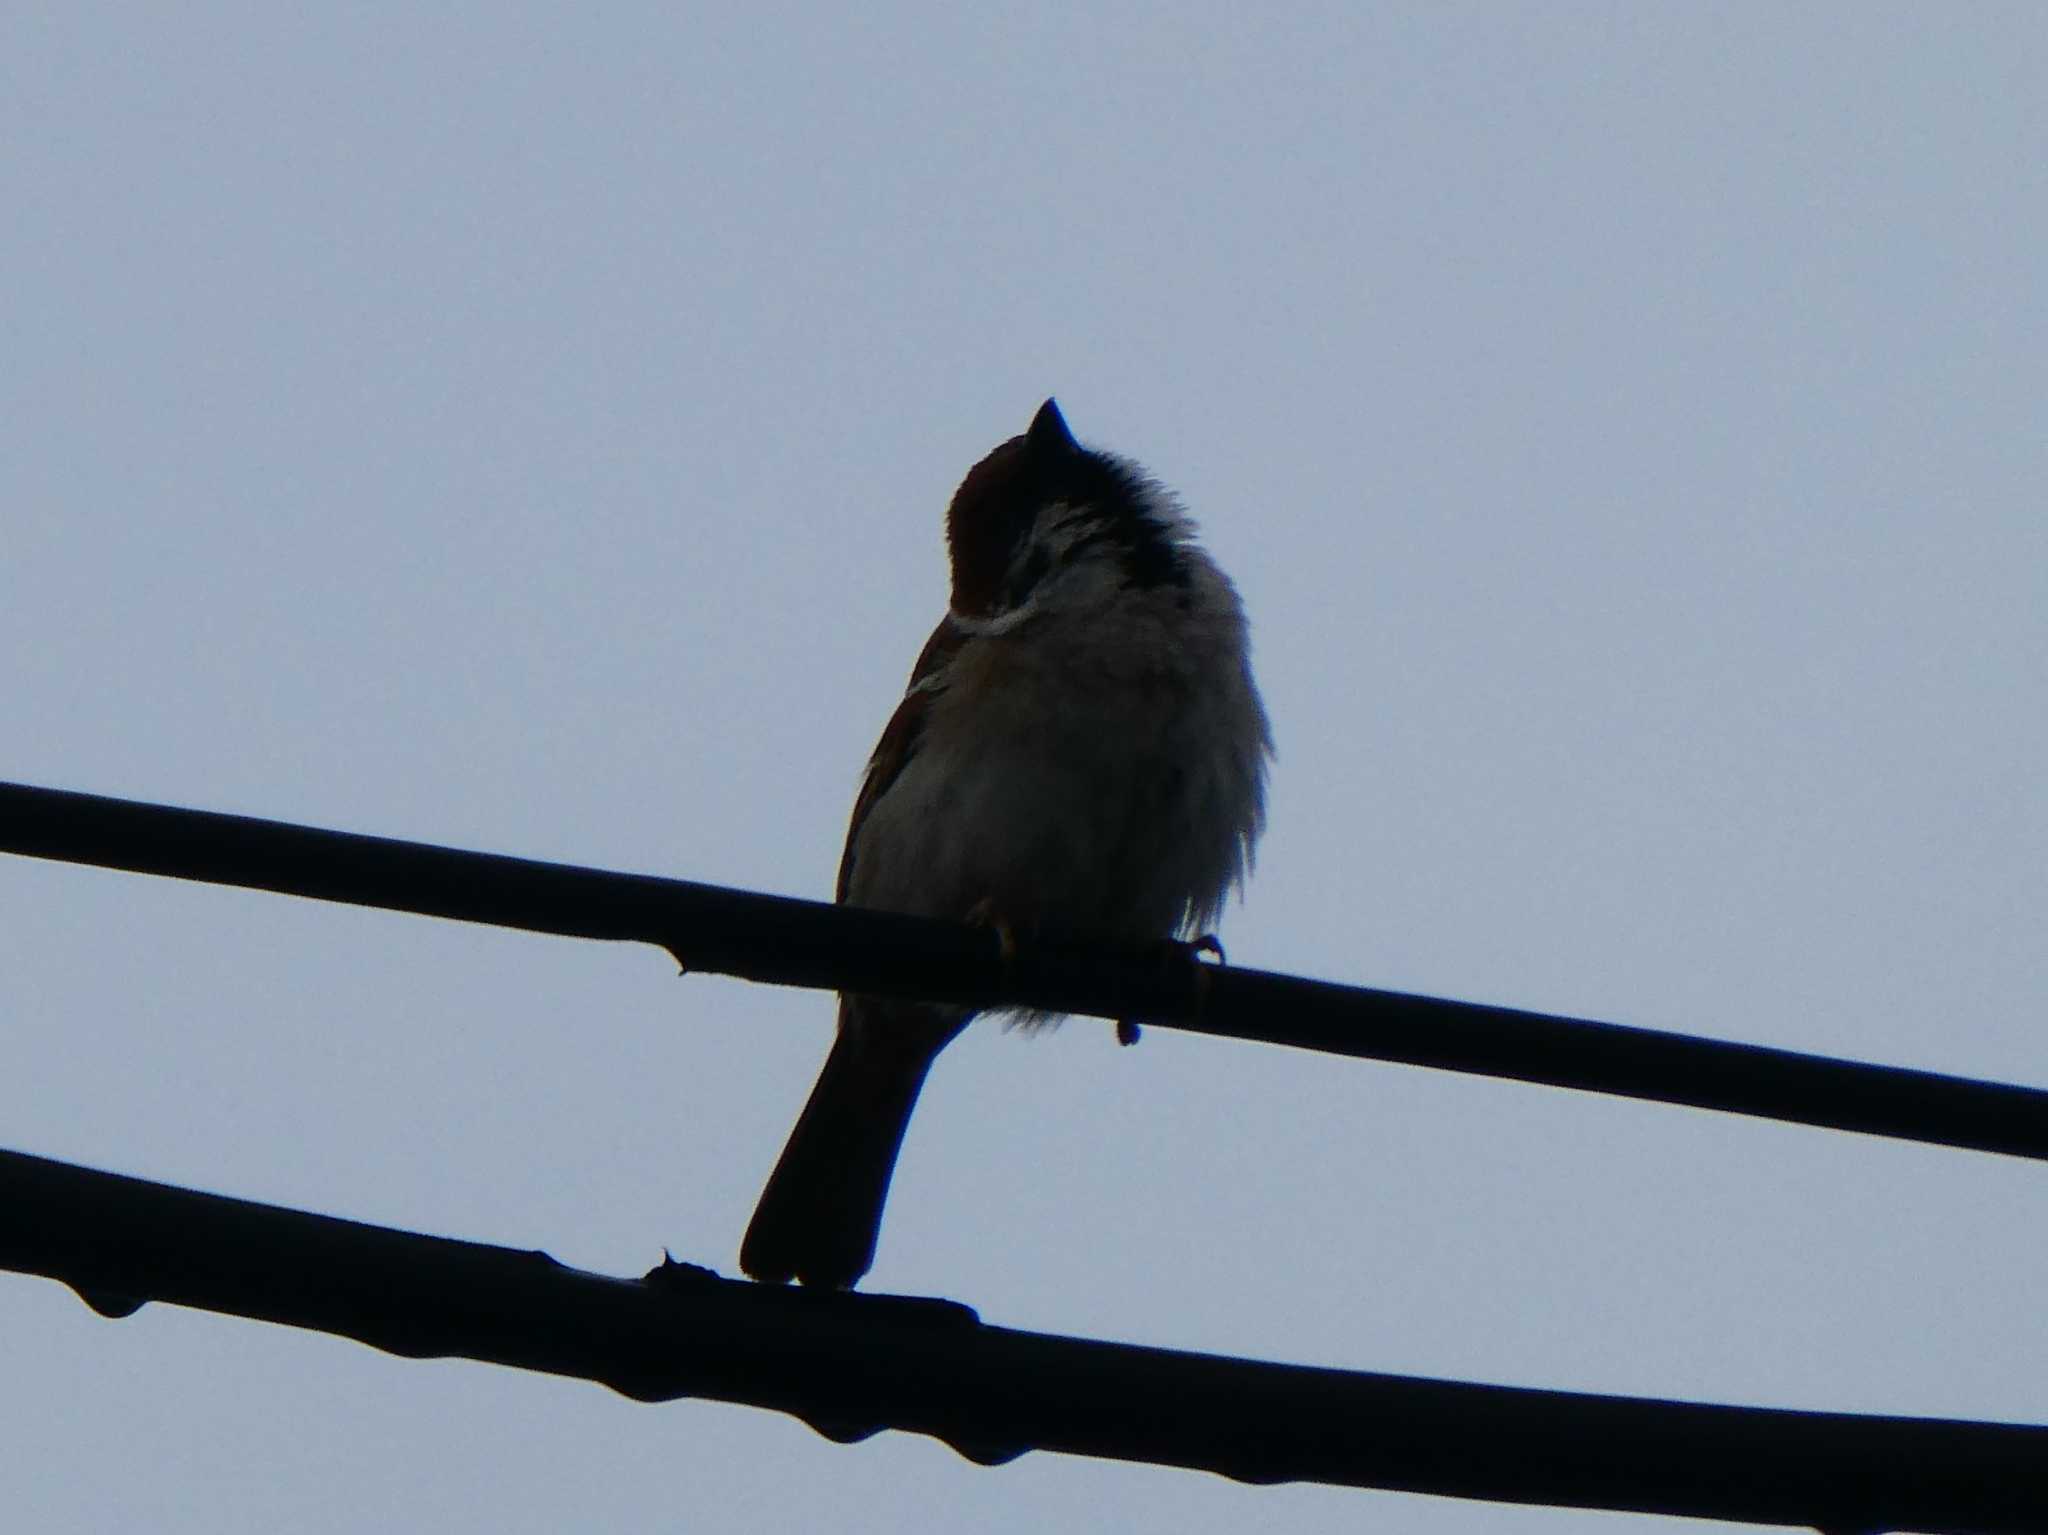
pixel 984 914
pixel 1175 953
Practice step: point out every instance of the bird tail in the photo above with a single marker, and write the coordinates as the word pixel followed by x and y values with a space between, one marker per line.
pixel 822 1209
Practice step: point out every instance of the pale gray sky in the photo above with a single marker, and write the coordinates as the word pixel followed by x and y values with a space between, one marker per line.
pixel 529 430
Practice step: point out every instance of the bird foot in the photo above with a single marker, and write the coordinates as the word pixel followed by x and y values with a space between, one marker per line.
pixel 1173 954
pixel 984 914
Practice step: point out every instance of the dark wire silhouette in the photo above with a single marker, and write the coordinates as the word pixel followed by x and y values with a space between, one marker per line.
pixel 811 943
pixel 852 1364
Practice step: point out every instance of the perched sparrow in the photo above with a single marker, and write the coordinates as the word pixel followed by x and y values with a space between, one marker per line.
pixel 1081 751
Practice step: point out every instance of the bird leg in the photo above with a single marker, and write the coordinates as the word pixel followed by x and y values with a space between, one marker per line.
pixel 1173 953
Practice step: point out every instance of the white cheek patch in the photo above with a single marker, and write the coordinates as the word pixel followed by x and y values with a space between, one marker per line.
pixel 1067 541
pixel 997 623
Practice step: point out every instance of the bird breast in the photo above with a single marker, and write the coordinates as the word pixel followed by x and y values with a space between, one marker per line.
pixel 1096 773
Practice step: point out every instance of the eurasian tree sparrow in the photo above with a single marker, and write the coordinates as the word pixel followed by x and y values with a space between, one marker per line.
pixel 1081 751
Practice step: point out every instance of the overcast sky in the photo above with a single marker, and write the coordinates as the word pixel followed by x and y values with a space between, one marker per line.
pixel 529 430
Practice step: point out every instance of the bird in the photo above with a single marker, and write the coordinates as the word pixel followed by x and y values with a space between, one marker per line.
pixel 1081 751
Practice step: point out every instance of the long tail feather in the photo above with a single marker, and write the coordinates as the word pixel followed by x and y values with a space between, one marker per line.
pixel 822 1209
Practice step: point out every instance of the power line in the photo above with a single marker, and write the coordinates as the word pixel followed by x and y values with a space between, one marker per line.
pixel 808 943
pixel 851 1365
